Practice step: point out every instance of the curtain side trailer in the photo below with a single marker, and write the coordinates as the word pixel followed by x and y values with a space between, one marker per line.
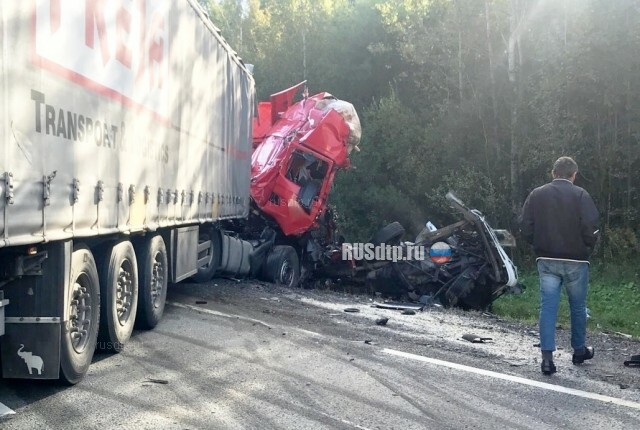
pixel 125 141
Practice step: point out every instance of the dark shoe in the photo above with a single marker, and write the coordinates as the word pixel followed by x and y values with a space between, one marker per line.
pixel 586 355
pixel 548 367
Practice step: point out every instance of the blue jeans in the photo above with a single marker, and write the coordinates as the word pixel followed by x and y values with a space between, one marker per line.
pixel 575 278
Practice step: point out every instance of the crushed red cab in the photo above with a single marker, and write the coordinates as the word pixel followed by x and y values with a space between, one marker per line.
pixel 299 147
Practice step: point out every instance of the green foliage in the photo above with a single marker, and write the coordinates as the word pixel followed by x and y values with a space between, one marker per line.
pixel 474 188
pixel 474 96
pixel 384 184
pixel 613 300
pixel 526 306
pixel 620 244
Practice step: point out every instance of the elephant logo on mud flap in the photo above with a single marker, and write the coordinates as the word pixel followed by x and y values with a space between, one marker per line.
pixel 32 361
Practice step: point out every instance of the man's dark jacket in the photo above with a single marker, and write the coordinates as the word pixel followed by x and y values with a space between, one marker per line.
pixel 560 220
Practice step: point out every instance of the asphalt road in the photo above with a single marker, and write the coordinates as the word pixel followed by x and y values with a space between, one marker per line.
pixel 258 357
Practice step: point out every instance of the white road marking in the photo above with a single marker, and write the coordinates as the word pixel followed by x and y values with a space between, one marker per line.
pixel 349 423
pixel 309 332
pixel 240 317
pixel 216 313
pixel 5 411
pixel 517 379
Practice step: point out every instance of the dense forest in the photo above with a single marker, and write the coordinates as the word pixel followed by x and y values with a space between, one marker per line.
pixel 475 96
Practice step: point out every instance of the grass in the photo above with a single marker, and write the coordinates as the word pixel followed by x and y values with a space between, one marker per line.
pixel 613 300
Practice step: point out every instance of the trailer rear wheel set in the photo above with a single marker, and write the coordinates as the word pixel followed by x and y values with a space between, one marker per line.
pixel 104 304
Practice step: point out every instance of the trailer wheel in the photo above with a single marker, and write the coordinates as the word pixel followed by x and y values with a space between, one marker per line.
pixel 389 234
pixel 119 283
pixel 80 333
pixel 209 255
pixel 153 272
pixel 282 266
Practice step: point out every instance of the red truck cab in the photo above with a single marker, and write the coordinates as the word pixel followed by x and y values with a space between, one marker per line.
pixel 298 148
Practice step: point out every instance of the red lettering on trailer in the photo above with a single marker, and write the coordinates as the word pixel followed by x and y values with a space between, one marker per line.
pixel 156 52
pixel 123 28
pixel 94 20
pixel 54 12
pixel 118 48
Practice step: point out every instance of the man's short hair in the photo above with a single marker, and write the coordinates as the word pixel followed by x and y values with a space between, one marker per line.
pixel 564 168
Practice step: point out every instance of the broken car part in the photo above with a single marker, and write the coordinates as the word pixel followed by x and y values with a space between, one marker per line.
pixel 399 306
pixel 474 338
pixel 477 272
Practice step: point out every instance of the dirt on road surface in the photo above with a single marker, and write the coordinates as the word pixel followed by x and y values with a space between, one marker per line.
pixel 245 355
pixel 434 332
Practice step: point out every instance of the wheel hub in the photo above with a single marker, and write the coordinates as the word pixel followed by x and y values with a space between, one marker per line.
pixel 80 314
pixel 157 280
pixel 124 293
pixel 286 273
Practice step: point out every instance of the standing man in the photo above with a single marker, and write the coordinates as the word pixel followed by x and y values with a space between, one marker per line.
pixel 560 220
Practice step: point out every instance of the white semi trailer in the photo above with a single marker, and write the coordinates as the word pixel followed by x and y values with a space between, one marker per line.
pixel 125 138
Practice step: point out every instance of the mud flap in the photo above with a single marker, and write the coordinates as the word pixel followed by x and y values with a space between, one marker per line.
pixel 31 350
pixel 30 347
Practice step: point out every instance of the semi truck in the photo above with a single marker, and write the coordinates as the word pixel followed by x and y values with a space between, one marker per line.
pixel 126 141
pixel 133 157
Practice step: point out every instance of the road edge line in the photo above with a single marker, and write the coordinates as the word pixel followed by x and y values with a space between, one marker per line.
pixel 216 313
pixel 517 379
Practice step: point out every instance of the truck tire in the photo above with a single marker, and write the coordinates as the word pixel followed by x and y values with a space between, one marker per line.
pixel 79 335
pixel 389 234
pixel 282 266
pixel 153 272
pixel 119 284
pixel 213 255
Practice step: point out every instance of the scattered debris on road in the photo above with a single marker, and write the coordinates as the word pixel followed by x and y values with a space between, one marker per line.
pixel 514 363
pixel 628 336
pixel 157 381
pixel 634 361
pixel 474 338
pixel 382 321
pixel 399 306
